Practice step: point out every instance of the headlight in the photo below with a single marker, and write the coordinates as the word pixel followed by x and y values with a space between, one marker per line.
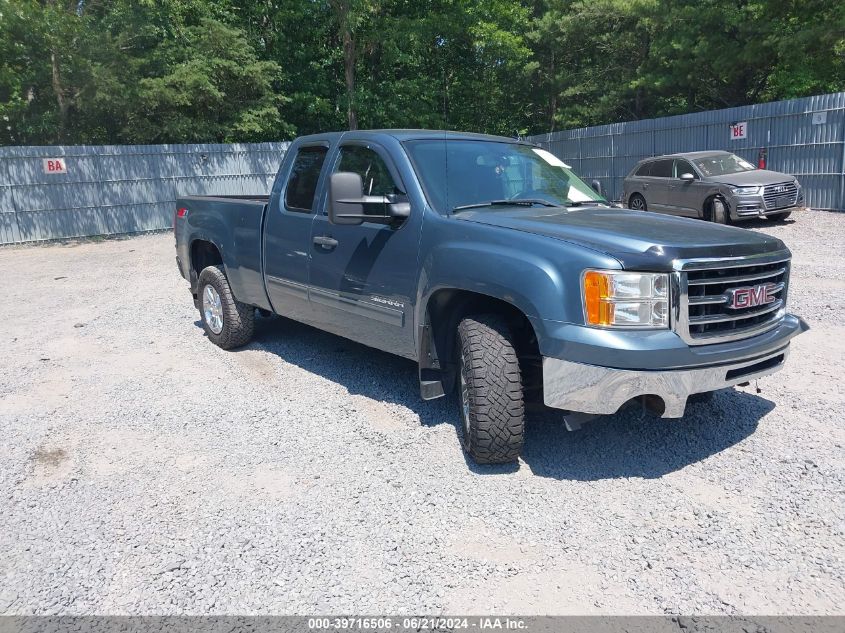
pixel 746 191
pixel 618 299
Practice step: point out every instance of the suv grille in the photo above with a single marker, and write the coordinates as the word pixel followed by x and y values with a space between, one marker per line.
pixel 782 194
pixel 704 313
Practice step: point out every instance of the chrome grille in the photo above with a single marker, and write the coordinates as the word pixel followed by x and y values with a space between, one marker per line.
pixel 705 287
pixel 782 194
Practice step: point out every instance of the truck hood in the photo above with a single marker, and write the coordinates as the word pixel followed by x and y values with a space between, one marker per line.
pixel 639 240
pixel 756 177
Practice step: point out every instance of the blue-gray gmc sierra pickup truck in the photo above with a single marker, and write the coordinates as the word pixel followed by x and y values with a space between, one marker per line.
pixel 492 265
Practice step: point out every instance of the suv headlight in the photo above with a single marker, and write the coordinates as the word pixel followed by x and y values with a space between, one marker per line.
pixel 619 299
pixel 745 191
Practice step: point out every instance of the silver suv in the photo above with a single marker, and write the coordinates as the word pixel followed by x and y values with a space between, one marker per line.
pixel 717 186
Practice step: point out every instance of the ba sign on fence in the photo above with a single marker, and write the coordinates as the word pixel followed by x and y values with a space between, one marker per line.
pixel 739 130
pixel 54 165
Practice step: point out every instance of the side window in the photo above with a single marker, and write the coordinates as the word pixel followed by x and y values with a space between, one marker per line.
pixel 662 168
pixel 302 182
pixel 683 167
pixel 373 171
pixel 644 169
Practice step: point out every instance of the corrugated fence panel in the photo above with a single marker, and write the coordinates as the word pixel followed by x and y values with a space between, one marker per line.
pixel 8 216
pixel 803 137
pixel 121 189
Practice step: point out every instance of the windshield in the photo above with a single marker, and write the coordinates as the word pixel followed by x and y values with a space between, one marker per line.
pixel 465 173
pixel 722 164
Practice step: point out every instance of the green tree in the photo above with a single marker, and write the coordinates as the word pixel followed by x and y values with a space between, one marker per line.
pixel 125 71
pixel 216 90
pixel 42 66
pixel 446 63
pixel 88 71
pixel 588 59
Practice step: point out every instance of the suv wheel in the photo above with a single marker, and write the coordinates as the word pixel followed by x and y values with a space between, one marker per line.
pixel 637 203
pixel 492 408
pixel 719 212
pixel 226 321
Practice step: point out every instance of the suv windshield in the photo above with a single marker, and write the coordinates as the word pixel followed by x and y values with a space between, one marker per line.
pixel 463 173
pixel 722 164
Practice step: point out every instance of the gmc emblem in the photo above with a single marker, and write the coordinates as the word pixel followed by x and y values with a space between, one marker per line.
pixel 751 296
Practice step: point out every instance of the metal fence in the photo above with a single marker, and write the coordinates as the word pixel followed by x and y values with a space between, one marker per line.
pixel 63 192
pixel 803 137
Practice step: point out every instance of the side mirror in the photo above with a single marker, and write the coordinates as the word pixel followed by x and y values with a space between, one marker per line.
pixel 596 185
pixel 345 192
pixel 347 202
pixel 687 177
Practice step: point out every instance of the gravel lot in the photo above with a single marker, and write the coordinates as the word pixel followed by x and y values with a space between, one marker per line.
pixel 143 470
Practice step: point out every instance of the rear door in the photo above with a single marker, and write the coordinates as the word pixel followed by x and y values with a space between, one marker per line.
pixel 288 233
pixel 363 277
pixel 637 182
pixel 657 191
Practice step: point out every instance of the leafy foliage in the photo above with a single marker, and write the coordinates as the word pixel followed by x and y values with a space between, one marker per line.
pixel 149 71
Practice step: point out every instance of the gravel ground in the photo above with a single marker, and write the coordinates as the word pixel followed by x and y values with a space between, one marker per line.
pixel 143 470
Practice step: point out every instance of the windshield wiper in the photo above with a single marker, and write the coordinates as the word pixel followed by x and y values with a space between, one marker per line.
pixel 524 202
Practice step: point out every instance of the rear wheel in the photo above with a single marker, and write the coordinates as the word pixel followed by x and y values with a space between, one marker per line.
pixel 779 216
pixel 492 408
pixel 226 321
pixel 637 203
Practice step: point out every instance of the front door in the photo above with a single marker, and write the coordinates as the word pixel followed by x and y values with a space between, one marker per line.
pixel 287 234
pixel 362 280
pixel 684 195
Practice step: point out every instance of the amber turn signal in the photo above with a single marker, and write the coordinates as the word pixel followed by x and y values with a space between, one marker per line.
pixel 596 293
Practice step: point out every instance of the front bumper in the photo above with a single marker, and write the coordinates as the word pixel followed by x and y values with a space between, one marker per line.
pixel 745 207
pixel 602 390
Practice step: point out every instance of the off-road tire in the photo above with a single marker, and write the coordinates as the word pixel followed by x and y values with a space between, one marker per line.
pixel 238 318
pixel 494 428
pixel 777 217
pixel 639 198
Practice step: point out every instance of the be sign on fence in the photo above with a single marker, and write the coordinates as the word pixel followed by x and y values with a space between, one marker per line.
pixel 54 165
pixel 739 130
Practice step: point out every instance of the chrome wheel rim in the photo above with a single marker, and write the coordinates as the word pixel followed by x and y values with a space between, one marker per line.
pixel 637 204
pixel 464 397
pixel 212 309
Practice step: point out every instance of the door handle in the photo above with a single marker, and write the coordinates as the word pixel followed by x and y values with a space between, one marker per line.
pixel 325 241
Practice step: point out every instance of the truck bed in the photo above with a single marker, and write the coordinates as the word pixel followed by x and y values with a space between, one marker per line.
pixel 238 220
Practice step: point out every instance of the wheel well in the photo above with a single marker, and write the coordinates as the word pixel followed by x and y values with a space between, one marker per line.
pixel 444 311
pixel 204 254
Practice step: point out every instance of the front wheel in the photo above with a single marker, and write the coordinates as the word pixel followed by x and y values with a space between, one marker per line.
pixel 719 211
pixel 492 408
pixel 226 321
